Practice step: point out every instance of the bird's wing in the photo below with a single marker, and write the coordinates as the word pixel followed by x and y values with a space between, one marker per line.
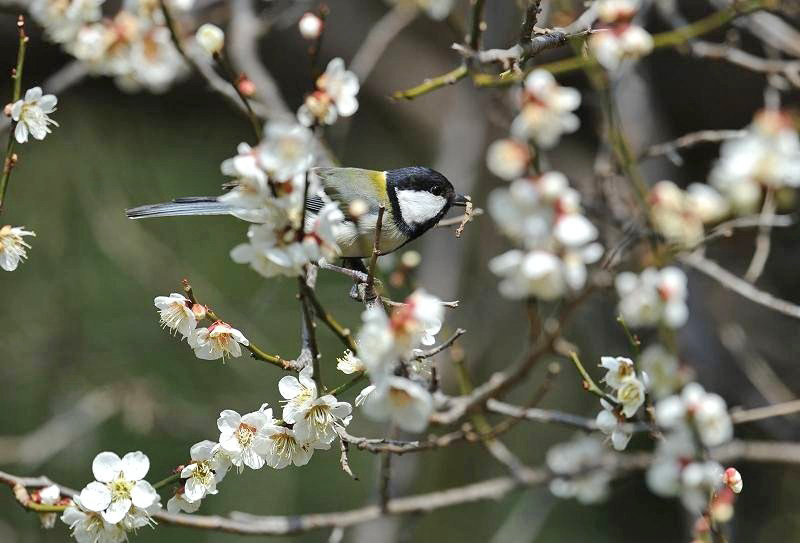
pixel 344 185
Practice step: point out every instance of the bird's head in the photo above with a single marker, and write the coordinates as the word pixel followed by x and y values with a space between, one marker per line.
pixel 420 197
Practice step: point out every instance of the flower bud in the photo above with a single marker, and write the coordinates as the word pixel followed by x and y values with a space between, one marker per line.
pixel 733 480
pixel 7 109
pixel 211 38
pixel 246 86
pixel 310 26
pixel 199 311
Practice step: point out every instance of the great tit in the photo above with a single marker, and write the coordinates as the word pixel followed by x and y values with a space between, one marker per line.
pixel 414 199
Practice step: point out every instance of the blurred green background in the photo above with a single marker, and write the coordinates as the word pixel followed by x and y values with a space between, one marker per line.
pixel 78 319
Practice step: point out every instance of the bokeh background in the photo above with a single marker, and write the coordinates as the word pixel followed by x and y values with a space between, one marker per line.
pixel 81 346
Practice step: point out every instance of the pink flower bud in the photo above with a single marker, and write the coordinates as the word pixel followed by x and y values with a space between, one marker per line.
pixel 199 311
pixel 733 480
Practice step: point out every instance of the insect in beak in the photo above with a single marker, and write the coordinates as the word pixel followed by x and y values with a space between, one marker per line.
pixel 461 200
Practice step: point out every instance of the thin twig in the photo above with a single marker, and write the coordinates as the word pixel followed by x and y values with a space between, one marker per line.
pixel 369 290
pixel 10 158
pixel 439 348
pixel 489 489
pixel 690 140
pixel 728 280
pixel 761 253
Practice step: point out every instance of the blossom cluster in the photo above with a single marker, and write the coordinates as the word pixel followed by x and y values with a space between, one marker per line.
pixel 334 97
pixel 118 501
pixel 577 466
pixel 628 395
pixel 766 158
pixel 134 46
pixel 681 215
pixel 618 38
pixel 180 315
pixel 258 439
pixel 388 347
pixel 691 421
pixel 654 297
pixel 542 214
pixel 546 113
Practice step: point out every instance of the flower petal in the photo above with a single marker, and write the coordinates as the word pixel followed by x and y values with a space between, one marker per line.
pixel 106 466
pixel 95 497
pixel 116 511
pixel 135 465
pixel 143 495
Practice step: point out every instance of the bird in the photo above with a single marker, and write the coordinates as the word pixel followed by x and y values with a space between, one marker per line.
pixel 414 199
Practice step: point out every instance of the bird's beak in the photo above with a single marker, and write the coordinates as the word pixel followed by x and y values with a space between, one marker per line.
pixel 461 200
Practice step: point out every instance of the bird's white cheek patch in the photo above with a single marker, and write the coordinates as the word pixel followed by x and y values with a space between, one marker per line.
pixel 419 206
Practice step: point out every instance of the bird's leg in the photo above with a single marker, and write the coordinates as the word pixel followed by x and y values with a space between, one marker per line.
pixel 357 292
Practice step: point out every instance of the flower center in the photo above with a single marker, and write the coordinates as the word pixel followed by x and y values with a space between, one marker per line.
pixel 245 434
pixel 284 445
pixel 320 418
pixel 399 397
pixel 120 489
pixel 203 473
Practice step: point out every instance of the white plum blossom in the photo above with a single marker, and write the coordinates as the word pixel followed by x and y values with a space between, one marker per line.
pixel 680 216
pixel 546 111
pixel 211 38
pixel 314 417
pixel 653 297
pixel 219 340
pixel 203 473
pixel 31 114
pixel 707 411
pixel 628 393
pixel 618 38
pixel 13 248
pixel 383 340
pixel 543 215
pixel 767 157
pixel 119 486
pixel 618 368
pixel 402 401
pixel 63 19
pixel 349 363
pixel 245 438
pixel 693 418
pixel 664 373
pixel 176 313
pixel 272 252
pixel 283 448
pixel 178 503
pixel 577 466
pixel 618 430
pixel 335 96
pixel 287 150
pixel 536 273
pixel 508 158
pixel 89 527
pixel 134 47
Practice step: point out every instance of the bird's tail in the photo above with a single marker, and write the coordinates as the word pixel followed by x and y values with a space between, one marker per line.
pixel 180 207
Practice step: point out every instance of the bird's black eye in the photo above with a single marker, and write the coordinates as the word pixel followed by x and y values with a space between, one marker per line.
pixel 436 190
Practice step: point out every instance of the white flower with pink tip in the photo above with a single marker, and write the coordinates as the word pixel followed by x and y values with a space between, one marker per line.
pixel 220 340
